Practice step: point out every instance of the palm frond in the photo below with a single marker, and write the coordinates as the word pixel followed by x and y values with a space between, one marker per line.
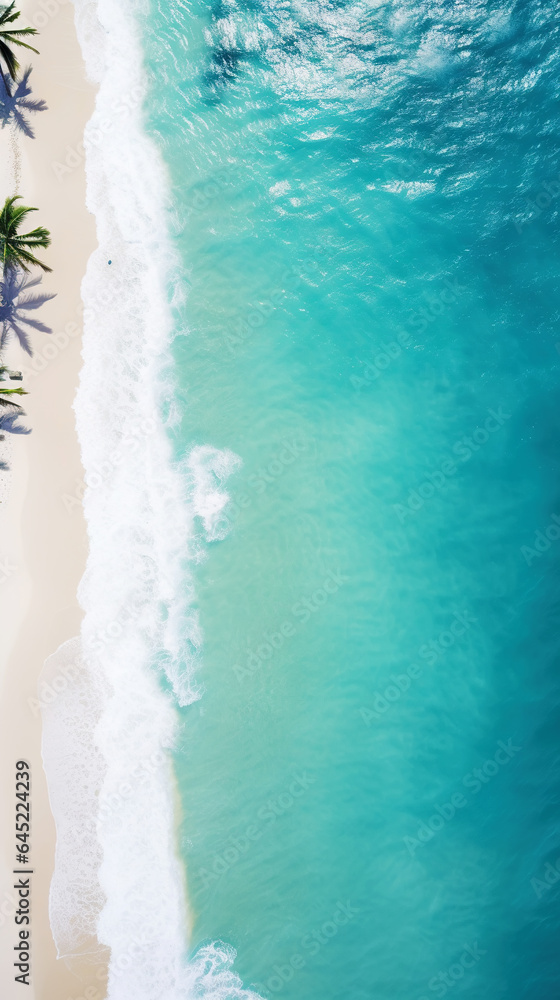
pixel 22 124
pixel 15 36
pixel 10 37
pixel 23 88
pixel 23 91
pixel 34 301
pixel 19 298
pixel 10 393
pixel 33 105
pixel 21 335
pixel 14 392
pixel 39 237
pixel 37 325
pixel 29 283
pixel 6 15
pixel 9 58
pixel 25 260
pixel 17 213
pixel 15 33
pixel 16 105
pixel 15 248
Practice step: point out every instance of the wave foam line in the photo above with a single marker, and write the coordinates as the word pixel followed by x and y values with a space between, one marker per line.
pixel 106 739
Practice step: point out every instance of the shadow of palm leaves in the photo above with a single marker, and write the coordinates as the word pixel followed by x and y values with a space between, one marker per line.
pixel 10 415
pixel 8 423
pixel 15 302
pixel 14 107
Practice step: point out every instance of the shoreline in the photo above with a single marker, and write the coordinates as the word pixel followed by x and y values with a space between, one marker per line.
pixel 43 543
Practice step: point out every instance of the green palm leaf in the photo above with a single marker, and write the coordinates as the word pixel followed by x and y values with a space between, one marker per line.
pixel 10 393
pixel 16 249
pixel 10 37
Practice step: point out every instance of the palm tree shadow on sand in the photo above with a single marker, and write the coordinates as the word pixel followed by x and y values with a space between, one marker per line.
pixel 9 424
pixel 17 300
pixel 14 107
pixel 10 410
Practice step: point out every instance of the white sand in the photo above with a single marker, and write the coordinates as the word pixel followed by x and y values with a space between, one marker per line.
pixel 42 543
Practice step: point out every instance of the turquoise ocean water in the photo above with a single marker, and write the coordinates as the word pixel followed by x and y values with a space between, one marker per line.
pixel 363 209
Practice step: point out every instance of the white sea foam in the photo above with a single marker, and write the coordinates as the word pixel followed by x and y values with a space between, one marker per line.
pixel 209 468
pixel 107 734
pixel 78 700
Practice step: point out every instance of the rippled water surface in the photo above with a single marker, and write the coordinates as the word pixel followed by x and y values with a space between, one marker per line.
pixel 365 205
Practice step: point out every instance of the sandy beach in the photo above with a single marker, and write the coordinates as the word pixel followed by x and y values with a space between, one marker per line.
pixel 43 539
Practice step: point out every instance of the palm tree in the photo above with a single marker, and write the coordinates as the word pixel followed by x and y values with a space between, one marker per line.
pixel 17 300
pixel 13 107
pixel 15 250
pixel 10 37
pixel 11 411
